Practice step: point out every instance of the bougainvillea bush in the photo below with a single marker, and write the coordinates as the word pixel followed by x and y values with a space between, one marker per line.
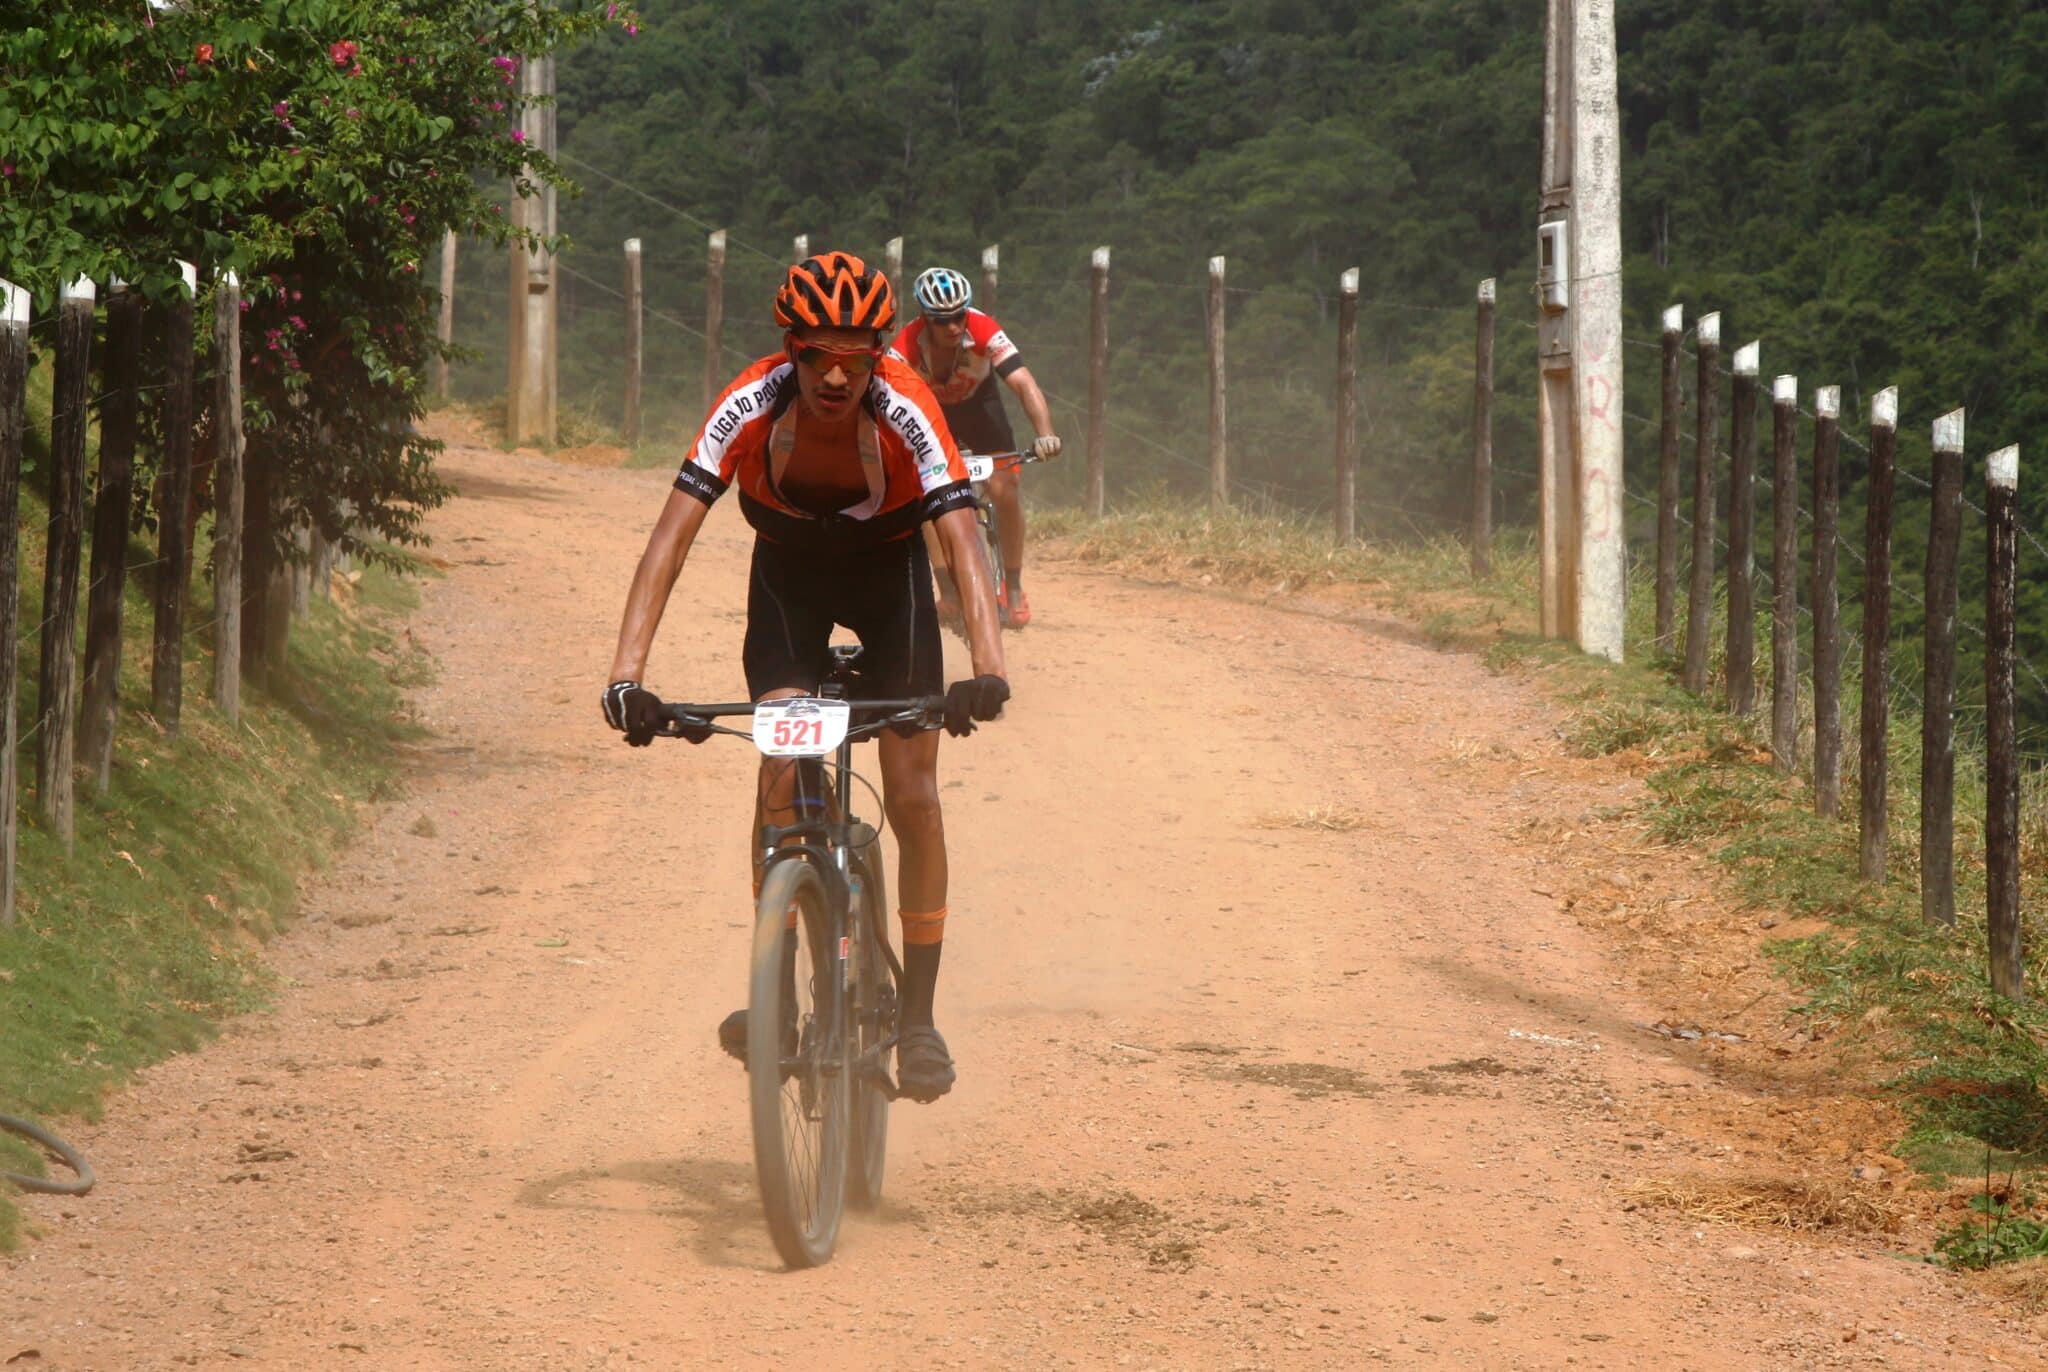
pixel 317 148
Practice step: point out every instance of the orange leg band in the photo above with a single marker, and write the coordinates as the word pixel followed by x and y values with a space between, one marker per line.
pixel 919 930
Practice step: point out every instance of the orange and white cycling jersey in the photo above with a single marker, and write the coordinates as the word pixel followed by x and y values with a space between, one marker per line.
pixel 985 351
pixel 900 452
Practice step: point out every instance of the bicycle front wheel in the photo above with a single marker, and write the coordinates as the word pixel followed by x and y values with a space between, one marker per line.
pixel 797 1046
pixel 992 545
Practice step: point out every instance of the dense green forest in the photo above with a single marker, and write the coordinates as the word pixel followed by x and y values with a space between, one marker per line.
pixel 1862 184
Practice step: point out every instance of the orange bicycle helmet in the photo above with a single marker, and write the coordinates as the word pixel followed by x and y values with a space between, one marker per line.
pixel 835 291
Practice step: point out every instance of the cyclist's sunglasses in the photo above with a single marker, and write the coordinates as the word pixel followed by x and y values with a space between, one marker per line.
pixel 854 361
pixel 953 318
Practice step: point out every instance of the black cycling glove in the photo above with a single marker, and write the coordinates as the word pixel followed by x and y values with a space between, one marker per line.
pixel 634 711
pixel 970 701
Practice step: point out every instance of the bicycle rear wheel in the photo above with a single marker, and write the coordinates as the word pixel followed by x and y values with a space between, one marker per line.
pixel 796 1064
pixel 874 1015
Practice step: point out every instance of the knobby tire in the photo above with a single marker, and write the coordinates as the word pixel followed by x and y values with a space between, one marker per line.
pixel 801 1118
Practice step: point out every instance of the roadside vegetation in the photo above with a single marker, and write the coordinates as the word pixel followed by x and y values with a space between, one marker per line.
pixel 149 934
pixel 1967 1067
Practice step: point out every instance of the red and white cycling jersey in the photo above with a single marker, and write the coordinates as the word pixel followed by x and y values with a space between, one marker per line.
pixel 985 351
pixel 900 451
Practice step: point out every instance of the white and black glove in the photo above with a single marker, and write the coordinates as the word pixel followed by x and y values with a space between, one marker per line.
pixel 633 710
pixel 1046 448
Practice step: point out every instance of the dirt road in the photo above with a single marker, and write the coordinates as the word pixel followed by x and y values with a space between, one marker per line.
pixel 1234 1093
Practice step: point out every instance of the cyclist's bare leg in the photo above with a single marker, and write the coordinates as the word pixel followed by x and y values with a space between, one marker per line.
pixel 775 793
pixel 910 795
pixel 1006 490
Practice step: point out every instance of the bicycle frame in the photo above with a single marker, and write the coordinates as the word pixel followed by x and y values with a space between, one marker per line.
pixel 826 839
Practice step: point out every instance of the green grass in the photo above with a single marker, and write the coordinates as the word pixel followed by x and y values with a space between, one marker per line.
pixel 137 943
pixel 1968 1067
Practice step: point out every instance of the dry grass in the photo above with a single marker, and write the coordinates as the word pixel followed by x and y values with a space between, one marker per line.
pixel 2024 1284
pixel 1770 1203
pixel 1328 819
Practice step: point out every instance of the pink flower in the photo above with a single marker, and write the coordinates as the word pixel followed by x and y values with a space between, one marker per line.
pixel 342 54
pixel 7 170
pixel 519 135
pixel 611 9
pixel 376 199
pixel 503 63
pixel 497 107
pixel 354 113
pixel 298 322
pixel 632 30
pixel 295 297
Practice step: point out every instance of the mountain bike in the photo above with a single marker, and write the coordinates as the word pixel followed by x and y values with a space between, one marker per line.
pixel 980 467
pixel 822 1000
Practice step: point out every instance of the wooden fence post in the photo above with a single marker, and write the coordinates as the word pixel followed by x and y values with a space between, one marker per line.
pixel 1784 574
pixel 107 576
pixel 302 572
pixel 1827 646
pixel 1742 532
pixel 1874 744
pixel 447 329
pixel 629 426
pixel 1219 450
pixel 1346 494
pixel 892 267
pixel 14 320
pixel 714 317
pixel 173 512
pixel 1667 481
pixel 802 244
pixel 1482 432
pixel 57 673
pixel 228 496
pixel 1937 706
pixel 990 257
pixel 2001 734
pixel 1098 375
pixel 1699 605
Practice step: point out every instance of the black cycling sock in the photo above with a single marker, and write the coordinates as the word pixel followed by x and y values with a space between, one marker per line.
pixel 920 982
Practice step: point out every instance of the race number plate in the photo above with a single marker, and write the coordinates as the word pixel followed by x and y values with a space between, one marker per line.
pixel 978 468
pixel 800 726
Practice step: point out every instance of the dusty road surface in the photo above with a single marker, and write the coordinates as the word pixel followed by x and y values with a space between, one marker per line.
pixel 1235 1093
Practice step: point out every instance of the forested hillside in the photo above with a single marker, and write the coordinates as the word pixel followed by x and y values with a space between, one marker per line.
pixel 1863 185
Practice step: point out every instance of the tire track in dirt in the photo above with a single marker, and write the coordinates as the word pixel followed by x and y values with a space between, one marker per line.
pixel 1234 1093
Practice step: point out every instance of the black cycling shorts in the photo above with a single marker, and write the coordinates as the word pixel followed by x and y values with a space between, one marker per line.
pixel 883 594
pixel 979 423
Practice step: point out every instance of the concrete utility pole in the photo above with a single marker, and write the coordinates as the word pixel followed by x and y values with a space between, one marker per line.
pixel 530 386
pixel 1579 285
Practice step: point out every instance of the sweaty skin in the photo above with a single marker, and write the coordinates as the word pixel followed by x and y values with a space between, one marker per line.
pixel 1006 486
pixel 910 784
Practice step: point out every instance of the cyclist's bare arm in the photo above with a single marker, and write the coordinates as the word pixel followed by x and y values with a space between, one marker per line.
pixel 660 565
pixel 1033 400
pixel 960 539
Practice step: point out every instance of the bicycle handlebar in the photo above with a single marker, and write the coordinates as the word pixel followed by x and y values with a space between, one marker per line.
pixel 926 711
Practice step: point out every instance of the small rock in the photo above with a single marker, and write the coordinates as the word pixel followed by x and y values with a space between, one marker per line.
pixel 1871 1174
pixel 1740 1253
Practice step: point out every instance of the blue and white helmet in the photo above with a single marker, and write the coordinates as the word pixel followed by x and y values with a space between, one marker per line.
pixel 942 291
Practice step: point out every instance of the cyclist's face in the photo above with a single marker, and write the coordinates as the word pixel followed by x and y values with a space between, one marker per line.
pixel 947 330
pixel 831 385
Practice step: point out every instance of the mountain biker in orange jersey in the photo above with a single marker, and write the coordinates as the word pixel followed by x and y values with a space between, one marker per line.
pixel 840 454
pixel 960 352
